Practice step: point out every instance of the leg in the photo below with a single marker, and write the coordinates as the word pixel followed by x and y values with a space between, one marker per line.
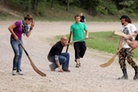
pixel 122 56
pixel 63 61
pixel 132 63
pixel 67 55
pixel 52 66
pixel 77 54
pixel 77 50
pixel 15 48
pixel 82 49
pixel 20 57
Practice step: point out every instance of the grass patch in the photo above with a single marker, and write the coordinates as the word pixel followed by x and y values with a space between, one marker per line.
pixel 103 41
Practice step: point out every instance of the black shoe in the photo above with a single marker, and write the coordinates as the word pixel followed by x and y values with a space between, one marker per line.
pixel 136 73
pixel 66 70
pixel 123 78
pixel 135 77
pixel 52 67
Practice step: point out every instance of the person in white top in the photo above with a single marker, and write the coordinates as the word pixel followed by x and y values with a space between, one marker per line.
pixel 126 53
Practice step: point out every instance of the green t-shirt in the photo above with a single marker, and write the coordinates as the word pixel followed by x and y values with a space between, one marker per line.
pixel 78 30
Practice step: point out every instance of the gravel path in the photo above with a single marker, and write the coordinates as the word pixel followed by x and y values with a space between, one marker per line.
pixel 89 78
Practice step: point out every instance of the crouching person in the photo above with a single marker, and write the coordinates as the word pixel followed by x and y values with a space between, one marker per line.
pixel 59 60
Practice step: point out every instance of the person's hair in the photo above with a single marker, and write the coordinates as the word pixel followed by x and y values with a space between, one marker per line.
pixel 77 16
pixel 28 17
pixel 127 19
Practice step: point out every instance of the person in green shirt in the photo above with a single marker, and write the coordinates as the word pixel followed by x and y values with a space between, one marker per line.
pixel 79 34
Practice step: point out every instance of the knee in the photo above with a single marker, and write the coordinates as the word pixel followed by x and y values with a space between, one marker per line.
pixel 18 54
pixel 65 59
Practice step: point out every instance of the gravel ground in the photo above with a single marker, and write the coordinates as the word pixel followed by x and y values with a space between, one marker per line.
pixel 90 77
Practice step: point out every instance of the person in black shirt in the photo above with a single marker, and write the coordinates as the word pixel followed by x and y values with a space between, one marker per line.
pixel 82 18
pixel 58 58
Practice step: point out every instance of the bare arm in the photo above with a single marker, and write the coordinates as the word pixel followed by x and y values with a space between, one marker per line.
pixel 86 34
pixel 10 28
pixel 58 64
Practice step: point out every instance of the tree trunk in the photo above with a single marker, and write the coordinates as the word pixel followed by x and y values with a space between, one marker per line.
pixel 52 4
pixel 67 8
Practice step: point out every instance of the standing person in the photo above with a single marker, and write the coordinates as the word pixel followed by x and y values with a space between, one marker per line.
pixel 78 31
pixel 83 19
pixel 16 30
pixel 126 53
pixel 59 60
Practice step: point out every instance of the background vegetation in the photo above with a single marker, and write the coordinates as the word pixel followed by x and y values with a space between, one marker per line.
pixel 66 9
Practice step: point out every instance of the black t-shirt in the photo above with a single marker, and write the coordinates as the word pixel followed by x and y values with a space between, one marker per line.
pixel 82 19
pixel 56 49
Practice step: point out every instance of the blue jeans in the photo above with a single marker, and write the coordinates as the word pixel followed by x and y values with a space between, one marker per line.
pixel 63 60
pixel 17 54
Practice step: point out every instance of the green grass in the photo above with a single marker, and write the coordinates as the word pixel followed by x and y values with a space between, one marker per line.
pixel 103 41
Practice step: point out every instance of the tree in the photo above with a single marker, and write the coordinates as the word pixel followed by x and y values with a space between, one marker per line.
pixel 67 8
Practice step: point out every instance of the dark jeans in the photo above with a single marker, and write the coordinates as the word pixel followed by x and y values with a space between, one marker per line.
pixel 80 48
pixel 63 60
pixel 17 54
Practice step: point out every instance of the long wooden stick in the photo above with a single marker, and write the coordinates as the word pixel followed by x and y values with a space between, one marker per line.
pixel 112 59
pixel 120 34
pixel 31 62
pixel 68 42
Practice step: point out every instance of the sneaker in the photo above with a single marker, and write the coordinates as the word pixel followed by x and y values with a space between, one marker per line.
pixel 14 72
pixel 123 78
pixel 78 64
pixel 66 70
pixel 20 73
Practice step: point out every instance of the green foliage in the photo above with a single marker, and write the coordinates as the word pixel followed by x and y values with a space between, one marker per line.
pixel 92 7
pixel 104 41
pixel 41 8
pixel 20 5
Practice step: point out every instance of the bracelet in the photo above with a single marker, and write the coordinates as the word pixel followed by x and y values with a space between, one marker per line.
pixel 31 28
pixel 117 48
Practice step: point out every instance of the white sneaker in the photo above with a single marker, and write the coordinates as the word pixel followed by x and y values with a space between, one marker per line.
pixel 14 72
pixel 20 73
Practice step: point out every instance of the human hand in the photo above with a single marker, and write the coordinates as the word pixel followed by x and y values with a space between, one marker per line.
pixel 86 37
pixel 117 51
pixel 60 70
pixel 16 38
pixel 129 37
pixel 32 25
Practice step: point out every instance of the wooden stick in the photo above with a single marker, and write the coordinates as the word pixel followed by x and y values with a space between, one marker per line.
pixel 112 59
pixel 68 42
pixel 32 64
pixel 121 34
